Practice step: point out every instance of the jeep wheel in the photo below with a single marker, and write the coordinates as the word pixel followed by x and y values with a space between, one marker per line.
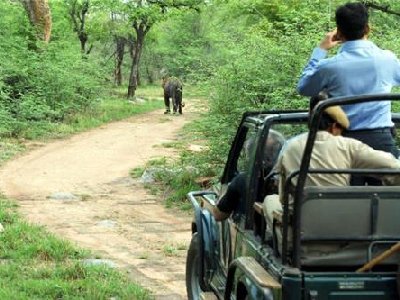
pixel 193 287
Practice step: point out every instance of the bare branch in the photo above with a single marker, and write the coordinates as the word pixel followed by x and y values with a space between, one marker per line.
pixel 383 8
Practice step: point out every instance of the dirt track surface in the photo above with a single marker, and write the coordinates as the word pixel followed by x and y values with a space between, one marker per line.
pixel 114 215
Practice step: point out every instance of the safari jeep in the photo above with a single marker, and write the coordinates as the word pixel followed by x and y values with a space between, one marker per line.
pixel 239 259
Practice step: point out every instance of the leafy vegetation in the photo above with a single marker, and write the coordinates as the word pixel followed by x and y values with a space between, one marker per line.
pixel 249 55
pixel 39 87
pixel 238 54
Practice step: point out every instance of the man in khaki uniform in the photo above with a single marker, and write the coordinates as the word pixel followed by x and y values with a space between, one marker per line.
pixel 330 151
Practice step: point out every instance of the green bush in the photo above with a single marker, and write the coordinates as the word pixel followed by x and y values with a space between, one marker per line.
pixel 45 84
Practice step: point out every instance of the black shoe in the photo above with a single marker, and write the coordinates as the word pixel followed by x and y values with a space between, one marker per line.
pixel 167 112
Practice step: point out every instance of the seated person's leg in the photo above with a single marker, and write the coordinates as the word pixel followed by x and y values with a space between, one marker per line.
pixel 272 207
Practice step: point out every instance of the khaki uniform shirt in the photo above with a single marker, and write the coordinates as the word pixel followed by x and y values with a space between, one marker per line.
pixel 333 152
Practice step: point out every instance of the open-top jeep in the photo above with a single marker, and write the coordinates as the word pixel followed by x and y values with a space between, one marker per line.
pixel 239 259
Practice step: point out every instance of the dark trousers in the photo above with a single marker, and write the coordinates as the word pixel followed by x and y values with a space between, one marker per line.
pixel 378 139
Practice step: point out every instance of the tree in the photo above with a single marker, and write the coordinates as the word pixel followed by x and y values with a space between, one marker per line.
pixel 120 44
pixel 141 15
pixel 78 11
pixel 142 26
pixel 40 17
pixel 122 37
pixel 146 15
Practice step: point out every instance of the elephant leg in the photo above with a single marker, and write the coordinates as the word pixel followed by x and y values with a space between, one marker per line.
pixel 175 106
pixel 179 100
pixel 166 102
pixel 174 103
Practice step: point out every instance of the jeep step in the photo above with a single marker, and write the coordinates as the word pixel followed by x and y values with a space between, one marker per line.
pixel 208 296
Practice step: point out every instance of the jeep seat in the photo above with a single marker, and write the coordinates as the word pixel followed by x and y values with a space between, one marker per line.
pixel 339 223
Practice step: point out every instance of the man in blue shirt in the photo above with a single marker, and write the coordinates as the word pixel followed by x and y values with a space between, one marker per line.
pixel 359 67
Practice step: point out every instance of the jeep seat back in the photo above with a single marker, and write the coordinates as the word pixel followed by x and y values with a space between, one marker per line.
pixel 338 224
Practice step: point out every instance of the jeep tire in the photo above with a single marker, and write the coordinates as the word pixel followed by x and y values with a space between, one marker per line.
pixel 193 287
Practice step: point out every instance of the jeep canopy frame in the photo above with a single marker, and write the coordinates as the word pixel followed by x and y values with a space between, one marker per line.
pixel 304 170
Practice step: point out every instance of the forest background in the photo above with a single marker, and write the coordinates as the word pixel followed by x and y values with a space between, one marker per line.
pixel 62 59
pixel 69 65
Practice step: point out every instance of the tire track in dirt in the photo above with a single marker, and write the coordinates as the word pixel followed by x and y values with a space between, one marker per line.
pixel 114 217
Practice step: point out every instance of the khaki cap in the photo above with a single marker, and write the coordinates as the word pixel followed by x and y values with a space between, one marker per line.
pixel 337 114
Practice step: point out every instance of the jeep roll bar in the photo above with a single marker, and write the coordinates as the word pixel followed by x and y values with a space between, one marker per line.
pixel 281 117
pixel 246 117
pixel 305 163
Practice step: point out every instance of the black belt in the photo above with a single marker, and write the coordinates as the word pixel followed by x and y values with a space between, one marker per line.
pixel 372 130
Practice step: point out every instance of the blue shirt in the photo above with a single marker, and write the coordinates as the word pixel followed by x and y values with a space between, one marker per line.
pixel 359 68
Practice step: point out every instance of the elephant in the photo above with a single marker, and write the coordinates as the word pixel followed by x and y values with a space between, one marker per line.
pixel 172 89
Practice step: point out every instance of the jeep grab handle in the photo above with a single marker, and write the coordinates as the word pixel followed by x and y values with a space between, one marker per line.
pixel 205 195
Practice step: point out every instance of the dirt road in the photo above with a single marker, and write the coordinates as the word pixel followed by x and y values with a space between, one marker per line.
pixel 112 214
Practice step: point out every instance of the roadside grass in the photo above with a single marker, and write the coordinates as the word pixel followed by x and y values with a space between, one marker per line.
pixel 34 264
pixel 107 110
pixel 155 91
pixel 9 148
pixel 171 179
pixel 191 170
pixel 147 92
pixel 111 108
pixel 174 249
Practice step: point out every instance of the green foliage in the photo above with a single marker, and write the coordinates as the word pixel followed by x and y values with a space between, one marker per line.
pixel 268 49
pixel 23 241
pixel 183 44
pixel 107 110
pixel 46 85
pixel 182 181
pixel 249 54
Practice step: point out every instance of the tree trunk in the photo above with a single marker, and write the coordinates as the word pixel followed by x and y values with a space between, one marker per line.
pixel 83 39
pixel 141 31
pixel 133 78
pixel 119 58
pixel 82 34
pixel 40 17
pixel 138 78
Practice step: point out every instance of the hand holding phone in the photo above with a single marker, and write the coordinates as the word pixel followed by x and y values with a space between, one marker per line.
pixel 331 40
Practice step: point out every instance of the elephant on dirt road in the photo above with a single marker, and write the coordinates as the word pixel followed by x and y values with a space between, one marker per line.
pixel 172 89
